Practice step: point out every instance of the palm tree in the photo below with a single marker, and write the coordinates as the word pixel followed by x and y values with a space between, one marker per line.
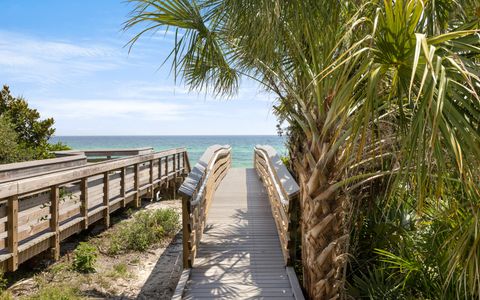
pixel 381 98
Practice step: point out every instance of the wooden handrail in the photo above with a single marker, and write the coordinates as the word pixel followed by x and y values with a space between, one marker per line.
pixel 38 212
pixel 283 195
pixel 16 171
pixel 35 183
pixel 197 193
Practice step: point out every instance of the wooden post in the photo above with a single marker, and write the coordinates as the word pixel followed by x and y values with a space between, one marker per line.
pixel 182 163
pixel 174 165
pixel 84 201
pixel 178 161
pixel 186 162
pixel 12 227
pixel 166 172
pixel 174 187
pixel 136 186
pixel 54 222
pixel 186 232
pixel 166 166
pixel 123 172
pixel 152 190
pixel 160 168
pixel 106 199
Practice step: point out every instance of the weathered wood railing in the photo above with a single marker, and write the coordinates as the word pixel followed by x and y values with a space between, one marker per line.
pixel 38 212
pixel 283 195
pixel 16 171
pixel 96 155
pixel 197 191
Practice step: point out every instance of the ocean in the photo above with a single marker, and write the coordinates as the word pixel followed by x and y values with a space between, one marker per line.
pixel 242 146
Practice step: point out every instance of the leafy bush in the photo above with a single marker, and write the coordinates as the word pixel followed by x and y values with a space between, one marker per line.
pixel 146 229
pixel 85 257
pixel 409 255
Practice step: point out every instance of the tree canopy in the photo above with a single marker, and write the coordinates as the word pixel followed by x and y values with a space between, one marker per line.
pixel 24 134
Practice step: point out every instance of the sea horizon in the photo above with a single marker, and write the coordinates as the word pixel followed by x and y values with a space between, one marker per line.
pixel 242 145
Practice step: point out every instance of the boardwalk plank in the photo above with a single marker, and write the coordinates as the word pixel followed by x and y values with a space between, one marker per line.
pixel 239 256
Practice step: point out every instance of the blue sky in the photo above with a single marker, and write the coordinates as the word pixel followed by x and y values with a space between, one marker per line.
pixel 67 59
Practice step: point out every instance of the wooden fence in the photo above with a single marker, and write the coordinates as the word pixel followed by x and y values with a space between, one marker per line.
pixel 197 192
pixel 38 212
pixel 283 195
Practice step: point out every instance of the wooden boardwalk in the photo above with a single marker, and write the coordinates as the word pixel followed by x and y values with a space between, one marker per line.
pixel 239 255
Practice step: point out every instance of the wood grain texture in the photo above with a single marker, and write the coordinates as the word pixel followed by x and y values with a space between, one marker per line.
pixel 239 255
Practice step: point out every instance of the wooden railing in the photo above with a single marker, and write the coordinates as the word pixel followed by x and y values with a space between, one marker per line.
pixel 96 155
pixel 283 195
pixel 197 192
pixel 16 171
pixel 38 212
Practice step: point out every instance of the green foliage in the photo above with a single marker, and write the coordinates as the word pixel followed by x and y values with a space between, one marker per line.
pixel 3 281
pixel 285 160
pixel 59 146
pixel 85 256
pixel 119 270
pixel 10 150
pixel 56 292
pixel 6 295
pixel 58 268
pixel 146 229
pixel 24 135
pixel 414 253
pixel 26 121
pixel 383 108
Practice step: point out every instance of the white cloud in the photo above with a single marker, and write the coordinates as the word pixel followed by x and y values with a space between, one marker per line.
pixel 156 91
pixel 45 62
pixel 93 109
pixel 97 88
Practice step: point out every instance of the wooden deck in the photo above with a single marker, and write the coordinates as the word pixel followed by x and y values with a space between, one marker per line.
pixel 239 255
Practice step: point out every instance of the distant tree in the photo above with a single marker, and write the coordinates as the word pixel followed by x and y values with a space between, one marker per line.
pixel 24 135
pixel 10 151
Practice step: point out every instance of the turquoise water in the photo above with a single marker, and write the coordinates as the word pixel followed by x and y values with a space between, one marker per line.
pixel 242 146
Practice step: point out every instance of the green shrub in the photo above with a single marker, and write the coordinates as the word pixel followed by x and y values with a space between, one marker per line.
pixel 59 268
pixel 56 292
pixel 85 257
pixel 3 281
pixel 6 295
pixel 119 270
pixel 146 229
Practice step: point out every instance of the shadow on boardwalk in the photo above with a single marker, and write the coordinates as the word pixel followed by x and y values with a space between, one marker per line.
pixel 239 255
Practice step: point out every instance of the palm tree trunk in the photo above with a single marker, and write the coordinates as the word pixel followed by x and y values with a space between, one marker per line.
pixel 324 234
